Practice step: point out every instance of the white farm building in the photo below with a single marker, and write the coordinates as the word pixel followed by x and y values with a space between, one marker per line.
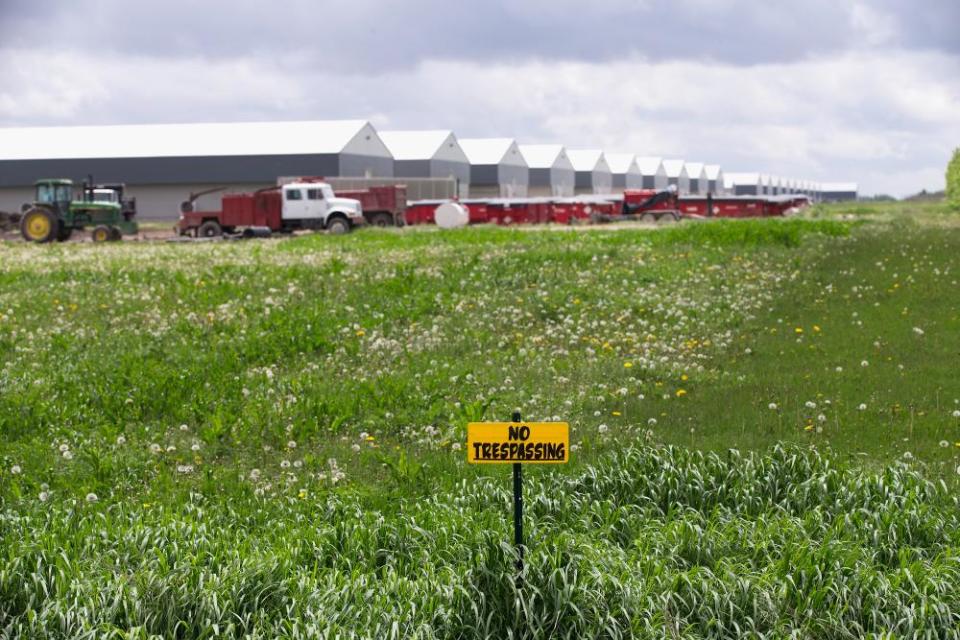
pixel 162 163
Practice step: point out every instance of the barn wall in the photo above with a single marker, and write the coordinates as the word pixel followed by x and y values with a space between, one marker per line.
pixel 192 170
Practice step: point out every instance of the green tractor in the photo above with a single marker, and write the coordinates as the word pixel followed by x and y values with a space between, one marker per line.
pixel 55 213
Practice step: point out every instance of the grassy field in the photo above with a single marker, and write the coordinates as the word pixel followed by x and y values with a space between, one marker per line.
pixel 265 439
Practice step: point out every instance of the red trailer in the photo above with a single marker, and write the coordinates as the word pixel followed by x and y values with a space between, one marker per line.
pixel 382 206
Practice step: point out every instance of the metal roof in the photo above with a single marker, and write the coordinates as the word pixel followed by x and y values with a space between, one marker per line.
pixel 585 159
pixel 713 171
pixel 180 140
pixel 622 162
pixel 486 150
pixel 649 165
pixel 542 156
pixel 834 187
pixel 415 145
pixel 694 169
pixel 673 168
pixel 742 178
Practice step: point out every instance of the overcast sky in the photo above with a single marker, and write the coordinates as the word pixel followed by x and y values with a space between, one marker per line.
pixel 863 90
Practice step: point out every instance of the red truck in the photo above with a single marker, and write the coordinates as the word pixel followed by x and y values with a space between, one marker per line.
pixel 307 203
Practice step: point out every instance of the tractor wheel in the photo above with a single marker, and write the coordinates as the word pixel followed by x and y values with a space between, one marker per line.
pixel 338 226
pixel 115 234
pixel 39 225
pixel 100 233
pixel 382 219
pixel 649 218
pixel 209 229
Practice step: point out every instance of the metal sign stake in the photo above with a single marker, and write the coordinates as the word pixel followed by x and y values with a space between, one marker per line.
pixel 518 512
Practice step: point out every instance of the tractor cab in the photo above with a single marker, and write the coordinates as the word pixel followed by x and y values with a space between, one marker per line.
pixel 56 194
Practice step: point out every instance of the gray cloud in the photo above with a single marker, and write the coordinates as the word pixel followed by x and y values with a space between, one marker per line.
pixel 369 36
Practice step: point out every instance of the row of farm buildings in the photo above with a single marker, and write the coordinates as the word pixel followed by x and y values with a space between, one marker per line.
pixel 162 164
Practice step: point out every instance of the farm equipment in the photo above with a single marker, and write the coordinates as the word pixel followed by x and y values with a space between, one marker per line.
pixel 297 205
pixel 56 212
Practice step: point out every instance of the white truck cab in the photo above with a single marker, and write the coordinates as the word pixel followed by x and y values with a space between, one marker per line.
pixel 315 201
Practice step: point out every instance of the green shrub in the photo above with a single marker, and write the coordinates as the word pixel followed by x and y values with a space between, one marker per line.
pixel 953 180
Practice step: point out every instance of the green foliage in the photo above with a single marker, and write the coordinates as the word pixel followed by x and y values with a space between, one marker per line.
pixel 651 542
pixel 953 180
pixel 272 433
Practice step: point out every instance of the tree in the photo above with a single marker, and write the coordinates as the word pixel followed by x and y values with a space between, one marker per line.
pixel 953 180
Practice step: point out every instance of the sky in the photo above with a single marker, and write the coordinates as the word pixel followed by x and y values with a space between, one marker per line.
pixel 866 91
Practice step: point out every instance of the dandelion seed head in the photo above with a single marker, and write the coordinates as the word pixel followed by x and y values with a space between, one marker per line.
pixel 92 497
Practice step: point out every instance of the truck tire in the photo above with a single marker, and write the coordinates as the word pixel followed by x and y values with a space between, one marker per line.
pixel 648 217
pixel 381 219
pixel 100 233
pixel 209 229
pixel 338 226
pixel 668 218
pixel 39 225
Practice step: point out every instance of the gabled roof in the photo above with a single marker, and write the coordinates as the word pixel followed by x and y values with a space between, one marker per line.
pixel 694 169
pixel 622 163
pixel 743 178
pixel 178 140
pixel 585 159
pixel 834 187
pixel 673 168
pixel 713 171
pixel 486 150
pixel 542 156
pixel 414 145
pixel 649 165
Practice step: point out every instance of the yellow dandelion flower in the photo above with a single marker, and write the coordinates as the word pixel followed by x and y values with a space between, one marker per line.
pixel 627 365
pixel 684 377
pixel 798 330
pixel 816 328
pixel 361 333
pixel 616 413
pixel 681 393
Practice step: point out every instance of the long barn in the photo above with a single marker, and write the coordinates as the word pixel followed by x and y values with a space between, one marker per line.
pixel 162 163
pixel 551 173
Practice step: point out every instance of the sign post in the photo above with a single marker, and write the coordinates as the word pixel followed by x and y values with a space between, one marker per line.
pixel 519 443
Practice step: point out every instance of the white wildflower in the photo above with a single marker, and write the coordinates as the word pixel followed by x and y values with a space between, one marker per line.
pixel 184 468
pixel 862 406
pixel 291 444
pixel 44 496
pixel 284 464
pixel 864 363
pixel 15 469
pixel 92 497
pixel 918 331
pixel 355 447
pixel 121 440
pixel 602 428
pixel 67 455
pixel 455 446
pixel 944 444
pixel 772 406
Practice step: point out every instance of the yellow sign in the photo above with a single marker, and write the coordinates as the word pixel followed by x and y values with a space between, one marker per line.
pixel 525 442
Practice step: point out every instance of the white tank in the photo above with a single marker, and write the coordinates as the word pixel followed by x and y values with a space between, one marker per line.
pixel 451 215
